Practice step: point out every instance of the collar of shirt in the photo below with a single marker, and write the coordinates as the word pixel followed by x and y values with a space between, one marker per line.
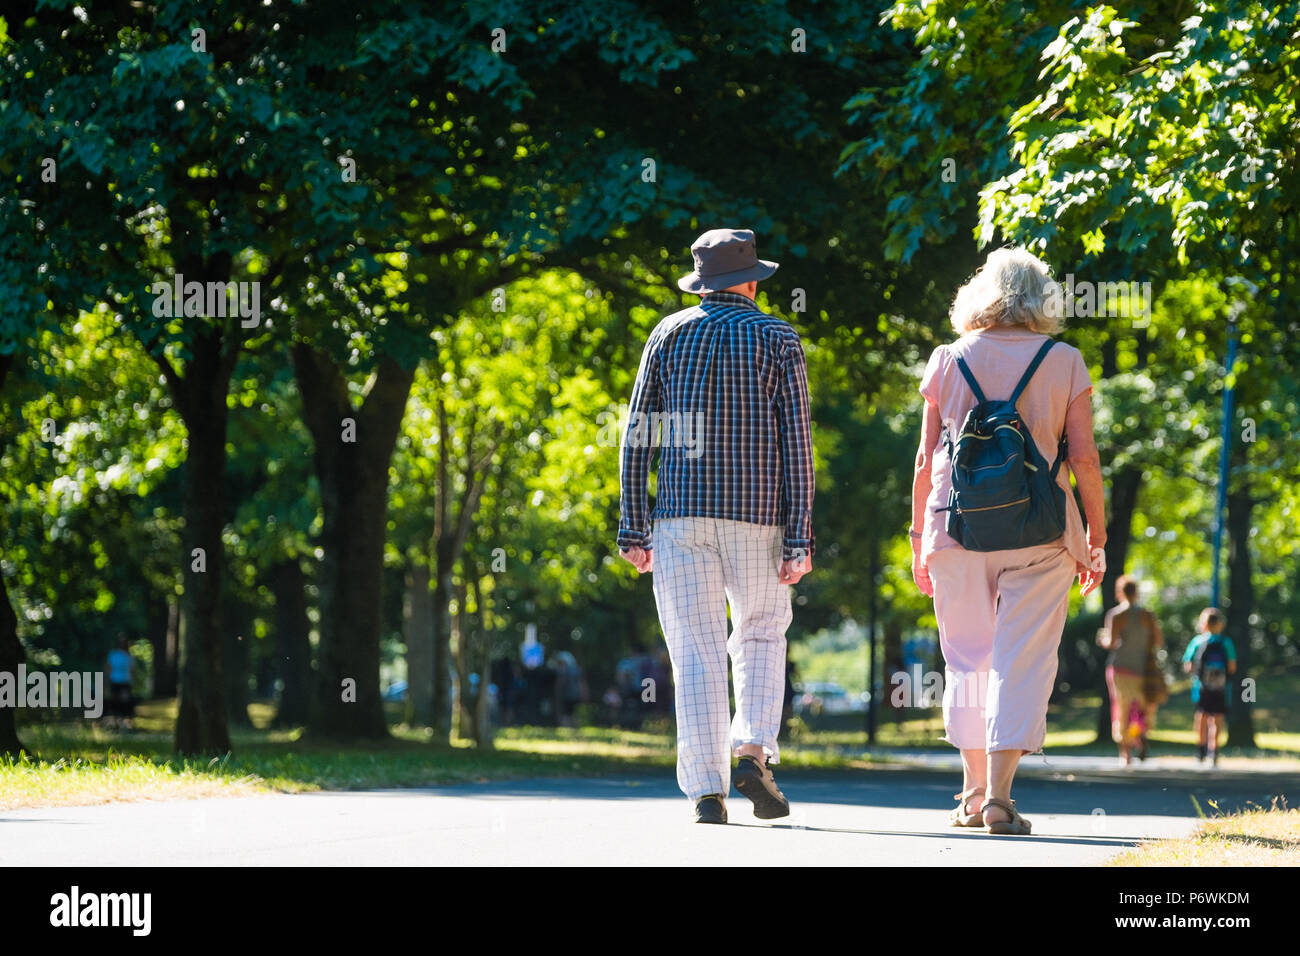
pixel 729 300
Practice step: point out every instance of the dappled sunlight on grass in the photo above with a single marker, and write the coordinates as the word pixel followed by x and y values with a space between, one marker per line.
pixel 79 781
pixel 83 762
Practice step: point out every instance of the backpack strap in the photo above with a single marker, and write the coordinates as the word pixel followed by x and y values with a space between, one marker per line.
pixel 1062 453
pixel 970 379
pixel 1029 372
pixel 1198 661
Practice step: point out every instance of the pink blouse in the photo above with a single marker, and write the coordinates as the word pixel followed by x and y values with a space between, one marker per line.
pixel 997 358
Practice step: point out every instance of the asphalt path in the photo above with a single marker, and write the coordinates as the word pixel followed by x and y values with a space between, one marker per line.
pixel 880 817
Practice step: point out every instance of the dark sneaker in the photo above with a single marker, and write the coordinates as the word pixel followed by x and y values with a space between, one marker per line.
pixel 710 809
pixel 755 781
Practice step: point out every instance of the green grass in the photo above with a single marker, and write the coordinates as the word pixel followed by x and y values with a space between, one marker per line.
pixel 1257 837
pixel 76 763
pixel 1071 725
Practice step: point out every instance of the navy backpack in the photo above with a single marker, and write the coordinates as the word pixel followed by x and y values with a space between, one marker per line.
pixel 1212 663
pixel 1004 495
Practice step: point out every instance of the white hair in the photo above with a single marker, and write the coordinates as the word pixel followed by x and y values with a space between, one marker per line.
pixel 1013 287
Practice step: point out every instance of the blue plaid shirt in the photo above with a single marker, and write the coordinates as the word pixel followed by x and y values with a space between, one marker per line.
pixel 722 391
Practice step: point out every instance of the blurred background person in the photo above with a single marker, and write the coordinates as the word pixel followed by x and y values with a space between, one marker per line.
pixel 1131 634
pixel 1210 658
pixel 121 694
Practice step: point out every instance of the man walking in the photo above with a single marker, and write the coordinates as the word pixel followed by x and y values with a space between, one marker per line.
pixel 726 387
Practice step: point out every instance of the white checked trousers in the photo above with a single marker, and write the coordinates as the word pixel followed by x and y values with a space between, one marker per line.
pixel 701 566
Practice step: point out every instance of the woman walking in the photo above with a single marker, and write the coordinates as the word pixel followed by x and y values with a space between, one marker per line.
pixel 1001 612
pixel 1131 633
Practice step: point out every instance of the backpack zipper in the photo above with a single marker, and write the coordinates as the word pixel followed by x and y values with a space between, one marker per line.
pixel 1000 464
pixel 1018 501
pixel 1013 428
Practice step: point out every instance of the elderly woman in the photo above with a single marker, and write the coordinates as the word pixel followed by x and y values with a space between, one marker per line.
pixel 1001 613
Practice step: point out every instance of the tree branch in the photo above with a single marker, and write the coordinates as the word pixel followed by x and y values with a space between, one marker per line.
pixel 384 405
pixel 324 393
pixel 444 454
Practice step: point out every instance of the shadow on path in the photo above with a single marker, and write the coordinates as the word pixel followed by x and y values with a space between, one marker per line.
pixel 1057 838
pixel 923 790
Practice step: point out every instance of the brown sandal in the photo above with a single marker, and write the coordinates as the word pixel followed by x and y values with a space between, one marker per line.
pixel 958 816
pixel 1016 826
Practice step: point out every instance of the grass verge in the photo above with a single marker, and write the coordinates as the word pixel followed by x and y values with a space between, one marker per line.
pixel 1258 837
pixel 77 763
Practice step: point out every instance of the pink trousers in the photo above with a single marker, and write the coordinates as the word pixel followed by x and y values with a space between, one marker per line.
pixel 1001 614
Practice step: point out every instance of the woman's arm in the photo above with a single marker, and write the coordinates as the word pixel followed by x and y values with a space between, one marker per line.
pixel 931 425
pixel 1106 636
pixel 1085 464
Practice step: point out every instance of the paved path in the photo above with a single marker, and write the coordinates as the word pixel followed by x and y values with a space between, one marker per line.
pixel 894 817
pixel 1180 768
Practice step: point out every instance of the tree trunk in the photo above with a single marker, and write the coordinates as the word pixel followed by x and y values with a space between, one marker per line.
pixel 891 656
pixel 1241 605
pixel 474 656
pixel 449 534
pixel 1109 357
pixel 1124 487
pixel 441 696
pixel 462 627
pixel 11 655
pixel 347 699
pixel 417 618
pixel 292 643
pixel 11 648
pixel 482 653
pixel 162 635
pixel 236 619
pixel 352 469
pixel 201 708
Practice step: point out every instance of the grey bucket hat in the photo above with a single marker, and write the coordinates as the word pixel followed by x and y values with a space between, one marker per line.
pixel 723 258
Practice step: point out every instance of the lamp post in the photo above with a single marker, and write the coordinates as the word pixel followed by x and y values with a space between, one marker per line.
pixel 1225 435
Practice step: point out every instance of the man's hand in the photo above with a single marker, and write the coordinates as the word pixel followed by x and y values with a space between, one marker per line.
pixel 639 558
pixel 792 570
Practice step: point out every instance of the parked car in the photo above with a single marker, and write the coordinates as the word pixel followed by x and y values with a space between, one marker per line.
pixel 826 697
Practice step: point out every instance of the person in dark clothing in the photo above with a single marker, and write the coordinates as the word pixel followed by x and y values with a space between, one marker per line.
pixel 503 676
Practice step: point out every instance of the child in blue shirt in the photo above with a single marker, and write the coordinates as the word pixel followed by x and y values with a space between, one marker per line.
pixel 121 671
pixel 1210 657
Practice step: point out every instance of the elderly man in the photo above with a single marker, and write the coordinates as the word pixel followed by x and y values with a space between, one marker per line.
pixel 725 386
